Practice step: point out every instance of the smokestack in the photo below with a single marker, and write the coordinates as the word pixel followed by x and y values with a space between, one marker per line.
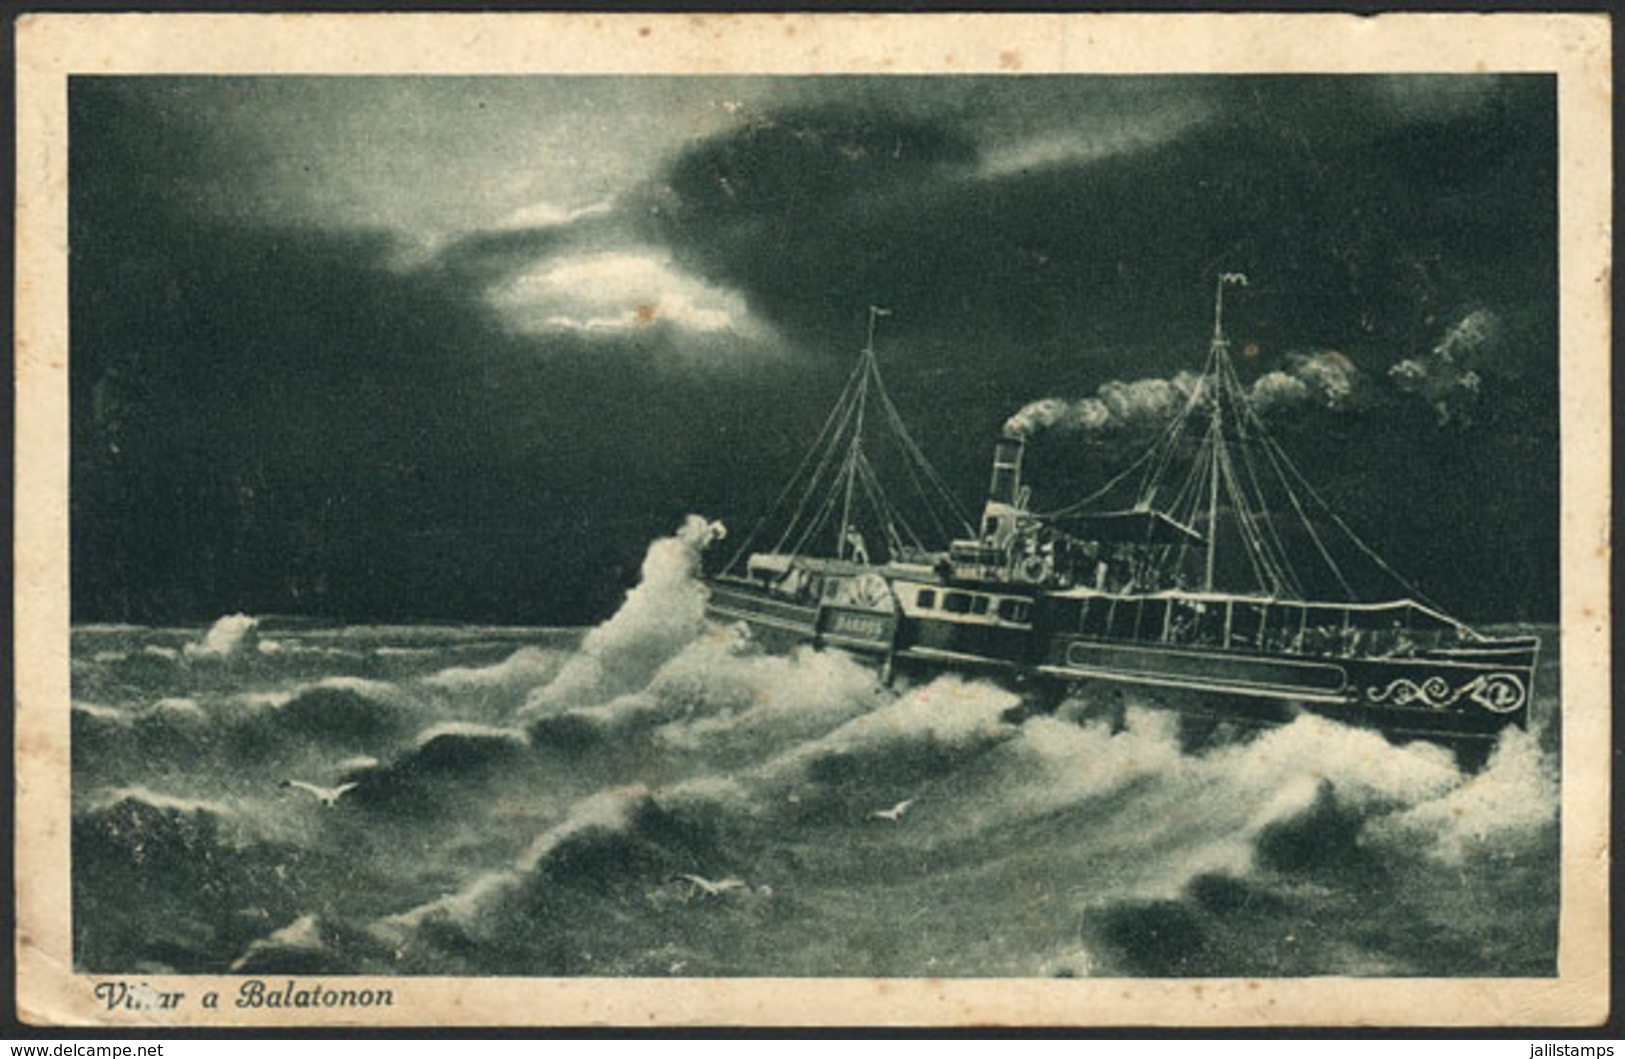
pixel 1006 484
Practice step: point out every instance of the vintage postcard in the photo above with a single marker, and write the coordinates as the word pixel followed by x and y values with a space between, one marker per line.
pixel 538 519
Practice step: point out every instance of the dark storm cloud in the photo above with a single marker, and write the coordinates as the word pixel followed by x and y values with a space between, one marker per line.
pixel 1356 221
pixel 1374 216
pixel 486 415
pixel 797 162
pixel 277 417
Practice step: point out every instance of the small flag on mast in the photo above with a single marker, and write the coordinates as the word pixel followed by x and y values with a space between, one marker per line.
pixel 874 312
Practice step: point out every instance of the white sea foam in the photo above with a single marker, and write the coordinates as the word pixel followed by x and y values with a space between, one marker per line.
pixel 372 689
pixel 526 667
pixel 609 810
pixel 302 935
pixel 665 611
pixel 949 711
pixel 464 907
pixel 227 638
pixel 1365 768
pixel 763 702
pixel 266 699
pixel 471 730
pixel 100 712
pixel 156 800
pixel 1056 764
pixel 475 905
pixel 178 705
pixel 1514 795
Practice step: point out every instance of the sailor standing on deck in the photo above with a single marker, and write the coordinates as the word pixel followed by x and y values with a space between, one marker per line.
pixel 860 551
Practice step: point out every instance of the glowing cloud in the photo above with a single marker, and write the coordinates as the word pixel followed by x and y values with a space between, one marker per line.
pixel 548 215
pixel 615 294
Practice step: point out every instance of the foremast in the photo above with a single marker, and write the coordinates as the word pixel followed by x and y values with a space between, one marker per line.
pixel 864 490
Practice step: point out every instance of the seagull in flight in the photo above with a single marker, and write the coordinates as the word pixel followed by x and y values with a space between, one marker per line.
pixel 699 886
pixel 895 813
pixel 328 796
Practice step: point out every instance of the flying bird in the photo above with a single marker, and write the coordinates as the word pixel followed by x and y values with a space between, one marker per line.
pixel 328 796
pixel 699 886
pixel 895 813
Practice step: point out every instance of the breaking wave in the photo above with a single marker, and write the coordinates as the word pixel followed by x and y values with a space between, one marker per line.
pixel 228 638
pixel 659 797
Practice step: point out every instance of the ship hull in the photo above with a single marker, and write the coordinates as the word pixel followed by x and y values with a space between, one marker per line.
pixel 780 624
pixel 1445 697
pixel 1466 693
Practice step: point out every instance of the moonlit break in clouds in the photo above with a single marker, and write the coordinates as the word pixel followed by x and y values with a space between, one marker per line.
pixel 616 293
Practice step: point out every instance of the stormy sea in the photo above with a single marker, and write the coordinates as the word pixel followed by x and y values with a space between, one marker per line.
pixel 656 796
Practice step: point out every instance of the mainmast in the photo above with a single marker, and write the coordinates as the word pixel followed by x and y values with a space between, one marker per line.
pixel 1218 355
pixel 1273 519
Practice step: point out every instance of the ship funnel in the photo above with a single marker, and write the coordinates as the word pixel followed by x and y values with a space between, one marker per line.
pixel 1005 487
pixel 1001 515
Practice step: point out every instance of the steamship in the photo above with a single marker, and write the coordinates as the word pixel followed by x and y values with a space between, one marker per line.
pixel 1208 571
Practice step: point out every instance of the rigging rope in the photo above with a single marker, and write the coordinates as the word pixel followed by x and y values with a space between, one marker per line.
pixel 1271 450
pixel 1102 491
pixel 1280 562
pixel 841 464
pixel 812 483
pixel 908 467
pixel 1352 536
pixel 1213 479
pixel 1274 451
pixel 1169 440
pixel 824 512
pixel 789 486
pixel 886 513
pixel 914 453
pixel 1252 543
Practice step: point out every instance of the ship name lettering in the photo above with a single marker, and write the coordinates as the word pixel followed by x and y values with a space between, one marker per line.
pixel 859 625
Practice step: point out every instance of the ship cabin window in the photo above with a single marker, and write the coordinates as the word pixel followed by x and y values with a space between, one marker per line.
pixel 1283 623
pixel 1247 624
pixel 1323 630
pixel 1151 620
pixel 979 604
pixel 1204 623
pixel 1424 630
pixel 927 599
pixel 1183 622
pixel 956 603
pixel 1014 610
pixel 1092 622
pixel 1119 619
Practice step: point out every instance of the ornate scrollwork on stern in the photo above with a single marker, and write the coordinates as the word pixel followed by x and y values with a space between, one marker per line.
pixel 1499 692
pixel 1496 692
pixel 1434 692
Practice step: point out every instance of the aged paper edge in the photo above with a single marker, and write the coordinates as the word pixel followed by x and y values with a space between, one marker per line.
pixel 1574 47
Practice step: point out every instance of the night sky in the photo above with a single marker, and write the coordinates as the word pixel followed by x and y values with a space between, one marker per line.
pixel 458 348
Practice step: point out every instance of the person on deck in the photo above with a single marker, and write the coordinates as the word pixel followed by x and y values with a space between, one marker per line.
pixel 859 550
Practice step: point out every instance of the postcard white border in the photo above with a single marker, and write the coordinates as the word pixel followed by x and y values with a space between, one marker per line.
pixel 1576 48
